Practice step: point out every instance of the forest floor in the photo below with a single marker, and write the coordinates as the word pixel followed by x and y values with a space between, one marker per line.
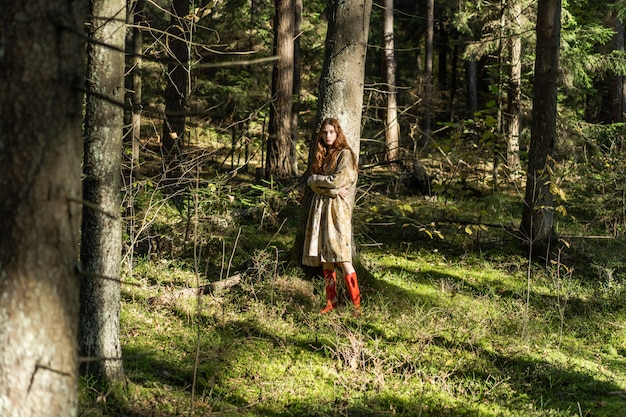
pixel 456 320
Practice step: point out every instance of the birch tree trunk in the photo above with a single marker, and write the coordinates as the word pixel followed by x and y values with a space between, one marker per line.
pixel 392 128
pixel 537 225
pixel 514 93
pixel 41 75
pixel 101 238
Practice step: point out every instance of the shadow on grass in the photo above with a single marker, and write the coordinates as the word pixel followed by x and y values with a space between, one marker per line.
pixel 539 384
pixel 573 307
pixel 546 386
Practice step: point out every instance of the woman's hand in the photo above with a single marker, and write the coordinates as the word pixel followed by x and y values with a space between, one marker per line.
pixel 344 192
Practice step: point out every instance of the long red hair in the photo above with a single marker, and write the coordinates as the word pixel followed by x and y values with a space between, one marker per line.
pixel 325 156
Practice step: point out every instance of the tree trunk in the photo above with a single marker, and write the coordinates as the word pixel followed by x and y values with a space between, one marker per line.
pixel 297 83
pixel 101 239
pixel 41 73
pixel 135 48
pixel 616 81
pixel 471 86
pixel 341 83
pixel 607 104
pixel 443 43
pixel 177 88
pixel 279 144
pixel 514 93
pixel 428 70
pixel 343 72
pixel 454 70
pixel 537 224
pixel 392 128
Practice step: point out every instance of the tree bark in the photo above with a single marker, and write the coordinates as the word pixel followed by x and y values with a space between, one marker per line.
pixel 616 81
pixel 428 70
pixel 471 87
pixel 297 83
pixel 392 128
pixel 343 72
pixel 514 91
pixel 41 74
pixel 135 48
pixel 177 88
pixel 280 146
pixel 341 83
pixel 101 238
pixel 537 225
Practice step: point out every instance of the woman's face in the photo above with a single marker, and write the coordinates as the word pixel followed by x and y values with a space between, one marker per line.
pixel 329 134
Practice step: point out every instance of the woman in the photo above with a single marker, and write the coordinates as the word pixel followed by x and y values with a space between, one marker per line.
pixel 328 239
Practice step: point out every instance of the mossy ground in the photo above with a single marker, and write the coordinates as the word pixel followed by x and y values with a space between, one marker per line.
pixel 456 322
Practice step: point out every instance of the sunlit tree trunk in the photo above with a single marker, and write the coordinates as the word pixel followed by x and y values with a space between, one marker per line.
pixel 501 85
pixel 134 47
pixel 537 225
pixel 41 101
pixel 343 72
pixel 297 83
pixel 514 91
pixel 392 128
pixel 101 238
pixel 280 152
pixel 341 82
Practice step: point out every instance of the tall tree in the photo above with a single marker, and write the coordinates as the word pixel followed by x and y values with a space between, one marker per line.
pixel 537 224
pixel 514 87
pixel 41 73
pixel 343 71
pixel 615 80
pixel 392 128
pixel 177 88
pixel 134 46
pixel 297 81
pixel 280 152
pixel 471 86
pixel 428 69
pixel 341 82
pixel 101 238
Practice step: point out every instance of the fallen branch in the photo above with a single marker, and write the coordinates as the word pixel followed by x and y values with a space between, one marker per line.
pixel 220 285
pixel 170 297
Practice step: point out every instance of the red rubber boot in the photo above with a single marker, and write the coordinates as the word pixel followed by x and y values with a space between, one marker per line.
pixel 355 295
pixel 330 281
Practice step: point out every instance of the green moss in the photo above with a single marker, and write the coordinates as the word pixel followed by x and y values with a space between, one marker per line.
pixel 458 326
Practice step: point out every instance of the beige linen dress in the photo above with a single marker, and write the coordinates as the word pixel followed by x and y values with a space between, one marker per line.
pixel 328 235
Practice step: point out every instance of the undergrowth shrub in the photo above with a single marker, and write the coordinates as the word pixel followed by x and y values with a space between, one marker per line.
pixel 599 185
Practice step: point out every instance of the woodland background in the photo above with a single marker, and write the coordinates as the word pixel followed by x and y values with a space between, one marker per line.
pixel 154 156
